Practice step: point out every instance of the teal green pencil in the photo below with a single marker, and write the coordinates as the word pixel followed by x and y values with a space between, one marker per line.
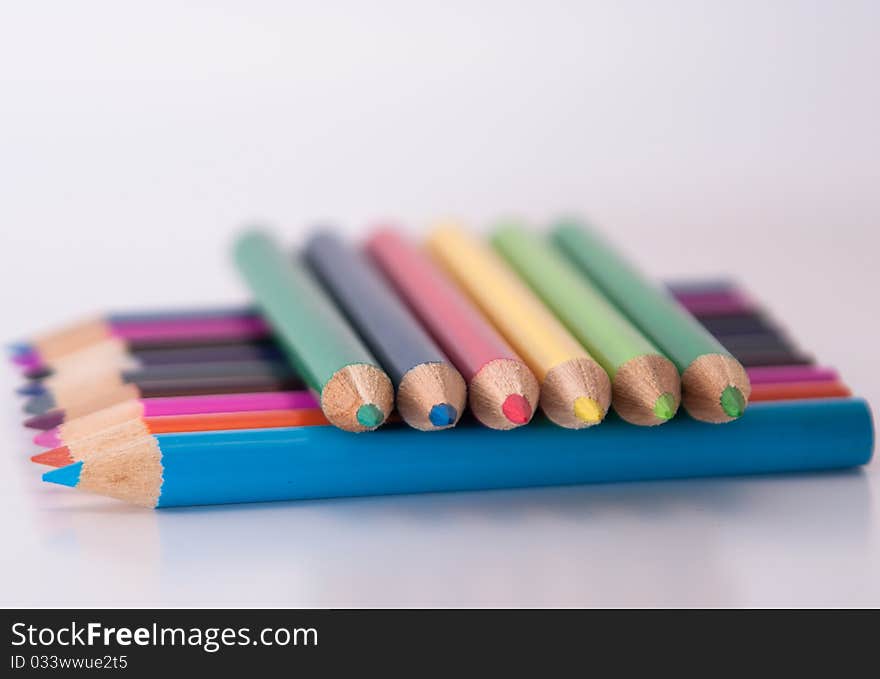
pixel 715 387
pixel 646 389
pixel 354 392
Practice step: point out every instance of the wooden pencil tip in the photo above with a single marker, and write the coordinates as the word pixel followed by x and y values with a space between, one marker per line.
pixel 31 389
pixel 48 420
pixel 19 348
pixel 65 476
pixel 504 394
pixel 431 396
pixel 48 438
pixel 516 408
pixel 733 402
pixel 715 388
pixel 576 393
pixel 37 405
pixel 57 457
pixel 358 397
pixel 665 406
pixel 27 361
pixel 37 372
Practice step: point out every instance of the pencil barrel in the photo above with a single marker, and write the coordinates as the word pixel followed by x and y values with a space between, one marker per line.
pixel 675 331
pixel 374 311
pixel 609 337
pixel 318 340
pixel 320 462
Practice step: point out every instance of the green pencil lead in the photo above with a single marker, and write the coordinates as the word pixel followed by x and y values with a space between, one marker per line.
pixel 664 406
pixel 370 415
pixel 732 401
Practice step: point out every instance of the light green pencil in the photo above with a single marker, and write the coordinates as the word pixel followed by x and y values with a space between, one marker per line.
pixel 646 389
pixel 714 386
pixel 355 393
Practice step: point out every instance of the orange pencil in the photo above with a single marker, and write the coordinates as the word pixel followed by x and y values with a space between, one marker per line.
pixel 790 391
pixel 122 434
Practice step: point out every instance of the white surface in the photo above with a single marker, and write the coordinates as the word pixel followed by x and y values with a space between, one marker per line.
pixel 708 137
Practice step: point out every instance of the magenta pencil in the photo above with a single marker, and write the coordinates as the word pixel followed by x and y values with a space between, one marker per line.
pixel 245 326
pixel 205 403
pixel 177 405
pixel 784 374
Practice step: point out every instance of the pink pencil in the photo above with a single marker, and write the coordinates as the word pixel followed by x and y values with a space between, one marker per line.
pixel 784 374
pixel 177 405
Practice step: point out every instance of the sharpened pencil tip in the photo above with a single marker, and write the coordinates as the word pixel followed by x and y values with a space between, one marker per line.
pixel 19 348
pixel 26 361
pixel 44 421
pixel 664 406
pixel 38 372
pixel 37 405
pixel 587 410
pixel 733 402
pixel 370 415
pixel 443 415
pixel 65 476
pixel 48 438
pixel 516 408
pixel 57 457
pixel 31 389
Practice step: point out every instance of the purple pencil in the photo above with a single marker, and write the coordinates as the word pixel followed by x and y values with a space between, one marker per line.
pixel 778 374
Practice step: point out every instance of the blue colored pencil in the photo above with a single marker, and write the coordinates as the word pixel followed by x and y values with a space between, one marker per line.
pixel 168 470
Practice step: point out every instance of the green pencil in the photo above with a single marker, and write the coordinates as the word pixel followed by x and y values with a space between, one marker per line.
pixel 646 389
pixel 715 387
pixel 354 392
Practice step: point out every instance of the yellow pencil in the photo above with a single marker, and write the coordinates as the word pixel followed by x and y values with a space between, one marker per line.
pixel 575 390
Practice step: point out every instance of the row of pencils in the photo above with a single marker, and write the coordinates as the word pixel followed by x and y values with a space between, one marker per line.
pixel 350 336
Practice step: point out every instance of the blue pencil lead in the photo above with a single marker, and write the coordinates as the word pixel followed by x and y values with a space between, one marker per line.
pixel 65 476
pixel 31 389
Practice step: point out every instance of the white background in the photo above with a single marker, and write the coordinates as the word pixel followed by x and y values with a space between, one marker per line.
pixel 707 137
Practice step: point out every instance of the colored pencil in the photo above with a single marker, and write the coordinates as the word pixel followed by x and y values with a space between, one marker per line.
pixel 716 304
pixel 52 346
pixel 431 393
pixel 354 392
pixel 77 385
pixel 736 324
pixel 168 470
pixel 502 391
pixel 196 312
pixel 777 374
pixel 116 353
pixel 575 391
pixel 174 380
pixel 128 432
pixel 164 388
pixel 756 342
pixel 715 387
pixel 772 357
pixel 645 387
pixel 786 391
pixel 84 426
pixel 699 285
